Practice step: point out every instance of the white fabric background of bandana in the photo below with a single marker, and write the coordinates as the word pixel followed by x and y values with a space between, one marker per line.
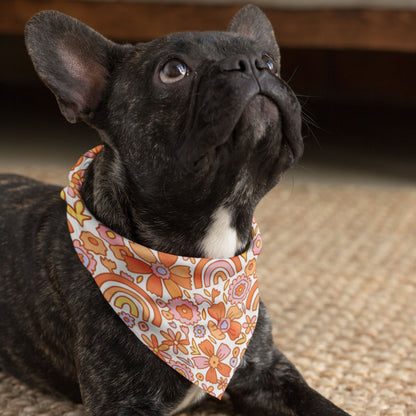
pixel 196 314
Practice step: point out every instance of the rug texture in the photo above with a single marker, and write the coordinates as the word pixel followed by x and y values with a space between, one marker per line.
pixel 338 274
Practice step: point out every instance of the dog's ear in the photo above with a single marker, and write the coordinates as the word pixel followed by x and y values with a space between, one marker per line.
pixel 250 21
pixel 72 59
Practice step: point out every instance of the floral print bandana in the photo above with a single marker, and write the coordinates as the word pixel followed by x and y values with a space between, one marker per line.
pixel 195 314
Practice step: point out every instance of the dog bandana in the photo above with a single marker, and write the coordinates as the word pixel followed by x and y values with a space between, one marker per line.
pixel 195 314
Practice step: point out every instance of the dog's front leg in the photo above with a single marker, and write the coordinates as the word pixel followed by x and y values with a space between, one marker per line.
pixel 108 404
pixel 125 378
pixel 267 383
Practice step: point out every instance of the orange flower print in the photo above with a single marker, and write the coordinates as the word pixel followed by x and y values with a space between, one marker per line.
pixel 251 267
pixel 153 345
pixel 184 311
pixel 222 384
pixel 250 324
pixel 120 252
pixel 92 243
pixel 175 341
pixel 200 377
pixel 226 323
pixel 108 264
pixel 239 289
pixel 70 227
pixel 162 271
pixel 213 361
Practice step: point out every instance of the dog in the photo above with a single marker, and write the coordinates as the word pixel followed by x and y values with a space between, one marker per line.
pixel 196 129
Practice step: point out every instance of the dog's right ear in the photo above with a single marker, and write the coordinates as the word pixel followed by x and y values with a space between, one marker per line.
pixel 73 60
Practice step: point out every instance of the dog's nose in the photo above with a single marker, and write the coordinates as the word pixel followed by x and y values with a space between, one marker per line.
pixel 249 64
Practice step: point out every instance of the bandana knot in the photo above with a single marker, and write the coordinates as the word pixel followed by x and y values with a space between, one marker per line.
pixel 195 314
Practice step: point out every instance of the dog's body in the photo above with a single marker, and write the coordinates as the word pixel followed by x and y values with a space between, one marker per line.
pixel 197 128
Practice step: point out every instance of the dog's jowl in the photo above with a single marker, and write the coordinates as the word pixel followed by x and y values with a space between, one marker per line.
pixel 134 289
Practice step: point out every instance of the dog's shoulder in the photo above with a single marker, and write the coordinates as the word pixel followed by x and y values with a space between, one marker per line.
pixel 24 196
pixel 18 184
pixel 10 179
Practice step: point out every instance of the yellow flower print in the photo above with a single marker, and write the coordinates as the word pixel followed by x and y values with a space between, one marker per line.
pixel 175 341
pixel 153 345
pixel 78 212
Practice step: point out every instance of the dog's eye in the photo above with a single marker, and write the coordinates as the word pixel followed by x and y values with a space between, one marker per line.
pixel 173 71
pixel 271 65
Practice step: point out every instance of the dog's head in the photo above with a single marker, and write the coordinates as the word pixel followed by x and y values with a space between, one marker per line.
pixel 192 121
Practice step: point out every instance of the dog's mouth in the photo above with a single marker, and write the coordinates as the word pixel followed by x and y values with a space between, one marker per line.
pixel 249 110
pixel 291 118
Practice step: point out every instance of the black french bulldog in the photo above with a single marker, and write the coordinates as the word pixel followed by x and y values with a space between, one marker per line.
pixel 197 128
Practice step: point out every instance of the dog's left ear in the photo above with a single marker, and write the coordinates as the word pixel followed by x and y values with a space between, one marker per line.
pixel 250 21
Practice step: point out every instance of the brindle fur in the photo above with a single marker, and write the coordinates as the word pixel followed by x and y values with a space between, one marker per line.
pixel 174 153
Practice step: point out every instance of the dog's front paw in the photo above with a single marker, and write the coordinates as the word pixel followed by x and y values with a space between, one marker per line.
pixel 275 387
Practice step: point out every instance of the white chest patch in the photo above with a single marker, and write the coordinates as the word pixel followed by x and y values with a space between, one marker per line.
pixel 221 239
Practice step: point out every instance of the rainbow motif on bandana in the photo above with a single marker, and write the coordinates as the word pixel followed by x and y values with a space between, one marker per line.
pixel 195 314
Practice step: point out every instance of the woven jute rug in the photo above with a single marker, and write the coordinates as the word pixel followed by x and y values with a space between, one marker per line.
pixel 338 273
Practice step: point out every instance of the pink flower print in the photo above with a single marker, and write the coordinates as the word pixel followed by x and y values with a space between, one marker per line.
pixel 250 324
pixel 86 258
pixel 239 289
pixel 110 236
pixel 160 270
pixel 199 299
pixel 182 369
pixel 213 361
pixel 257 245
pixel 143 326
pixel 184 311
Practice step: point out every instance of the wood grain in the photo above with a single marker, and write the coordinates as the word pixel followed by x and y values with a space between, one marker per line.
pixel 391 30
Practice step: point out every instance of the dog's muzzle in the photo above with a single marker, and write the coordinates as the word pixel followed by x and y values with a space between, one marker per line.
pixel 222 96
